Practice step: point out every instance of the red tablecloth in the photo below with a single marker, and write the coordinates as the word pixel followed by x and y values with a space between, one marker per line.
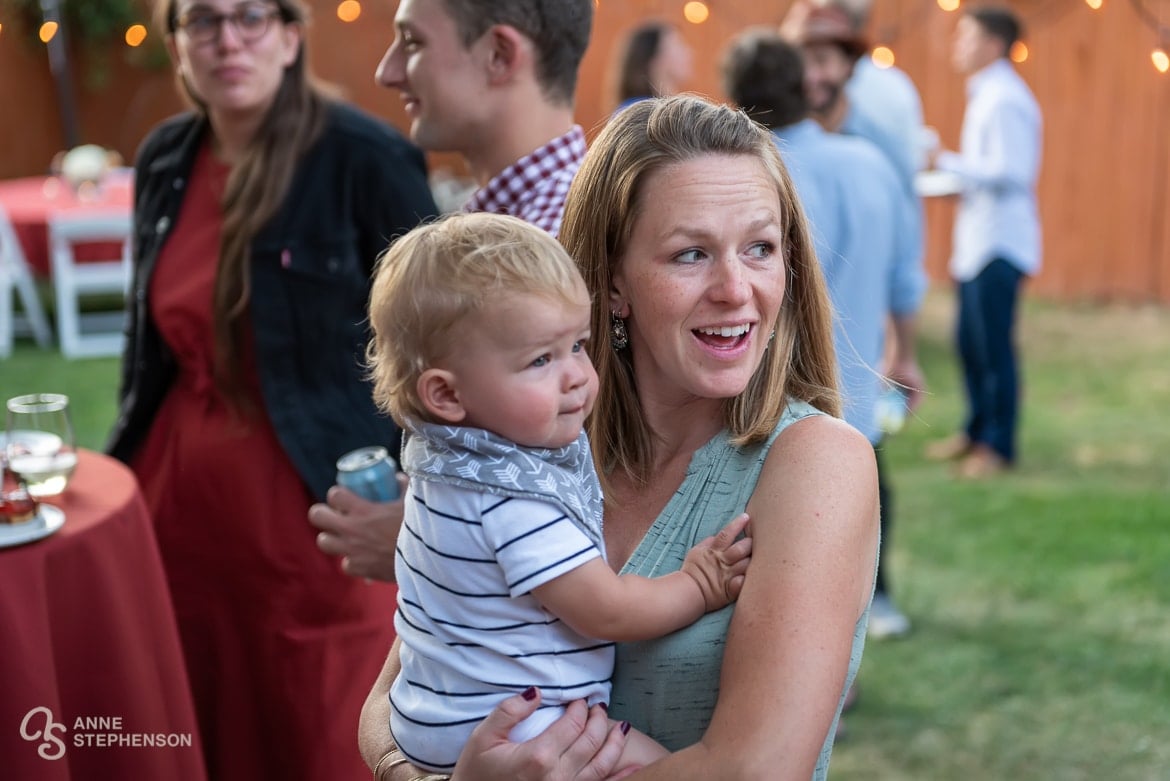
pixel 88 642
pixel 30 201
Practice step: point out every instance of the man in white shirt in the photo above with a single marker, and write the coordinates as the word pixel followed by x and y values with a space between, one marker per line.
pixel 996 235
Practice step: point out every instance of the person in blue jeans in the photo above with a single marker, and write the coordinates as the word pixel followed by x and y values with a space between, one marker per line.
pixel 996 236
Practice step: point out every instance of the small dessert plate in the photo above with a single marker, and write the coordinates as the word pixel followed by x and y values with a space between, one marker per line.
pixel 49 519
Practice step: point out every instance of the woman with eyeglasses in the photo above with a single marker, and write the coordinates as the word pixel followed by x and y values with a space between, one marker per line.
pixel 259 216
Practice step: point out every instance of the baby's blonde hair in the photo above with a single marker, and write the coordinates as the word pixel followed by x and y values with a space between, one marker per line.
pixel 434 277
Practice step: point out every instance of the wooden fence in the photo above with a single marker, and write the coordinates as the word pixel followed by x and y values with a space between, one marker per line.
pixel 1104 185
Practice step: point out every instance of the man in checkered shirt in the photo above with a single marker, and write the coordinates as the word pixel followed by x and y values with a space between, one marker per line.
pixel 494 80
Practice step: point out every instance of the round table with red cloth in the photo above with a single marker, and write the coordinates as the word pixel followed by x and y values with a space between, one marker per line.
pixel 92 681
pixel 30 201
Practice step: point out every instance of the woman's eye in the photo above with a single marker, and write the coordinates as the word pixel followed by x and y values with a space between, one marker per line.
pixel 689 256
pixel 763 249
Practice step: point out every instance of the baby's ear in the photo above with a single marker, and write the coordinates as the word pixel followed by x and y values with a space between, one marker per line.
pixel 439 394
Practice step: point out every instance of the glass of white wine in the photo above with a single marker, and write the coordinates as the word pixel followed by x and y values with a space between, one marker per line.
pixel 39 444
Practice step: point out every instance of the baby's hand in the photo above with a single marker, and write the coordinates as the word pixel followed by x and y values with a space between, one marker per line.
pixel 718 564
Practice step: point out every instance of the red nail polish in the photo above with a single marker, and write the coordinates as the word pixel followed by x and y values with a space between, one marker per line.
pixel 529 693
pixel 625 727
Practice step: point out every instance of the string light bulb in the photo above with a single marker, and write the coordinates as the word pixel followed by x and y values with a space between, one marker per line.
pixel 47 31
pixel 1019 52
pixel 696 12
pixel 135 35
pixel 349 10
pixel 1160 59
pixel 949 5
pixel 1094 4
pixel 883 57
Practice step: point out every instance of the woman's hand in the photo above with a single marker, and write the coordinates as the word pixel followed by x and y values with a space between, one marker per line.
pixel 362 533
pixel 582 745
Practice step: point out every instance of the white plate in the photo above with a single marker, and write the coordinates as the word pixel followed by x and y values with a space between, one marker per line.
pixel 932 184
pixel 49 519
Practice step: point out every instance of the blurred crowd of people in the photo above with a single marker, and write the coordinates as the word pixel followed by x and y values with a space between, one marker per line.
pixel 745 296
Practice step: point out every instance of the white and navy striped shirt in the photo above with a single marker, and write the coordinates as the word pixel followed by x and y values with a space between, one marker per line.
pixel 472 633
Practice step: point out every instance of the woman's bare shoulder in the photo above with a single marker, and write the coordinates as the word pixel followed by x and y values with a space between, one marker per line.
pixel 817 462
pixel 820 436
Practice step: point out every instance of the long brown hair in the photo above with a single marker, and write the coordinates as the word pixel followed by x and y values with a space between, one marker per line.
pixel 633 69
pixel 604 202
pixel 257 185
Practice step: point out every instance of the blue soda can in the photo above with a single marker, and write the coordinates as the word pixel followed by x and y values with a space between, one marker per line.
pixel 370 473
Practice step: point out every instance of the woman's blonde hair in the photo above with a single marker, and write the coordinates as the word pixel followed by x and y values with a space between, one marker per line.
pixel 606 199
pixel 257 185
pixel 432 279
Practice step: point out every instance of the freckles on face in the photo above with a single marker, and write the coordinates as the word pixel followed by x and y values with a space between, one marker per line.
pixel 703 276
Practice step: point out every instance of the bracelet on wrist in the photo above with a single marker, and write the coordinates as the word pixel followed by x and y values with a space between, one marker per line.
pixel 392 758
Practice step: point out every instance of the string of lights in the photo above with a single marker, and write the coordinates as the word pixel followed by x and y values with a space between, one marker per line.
pixel 697 12
pixel 883 54
pixel 1159 56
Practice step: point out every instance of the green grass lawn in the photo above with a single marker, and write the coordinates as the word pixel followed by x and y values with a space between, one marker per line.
pixel 1040 600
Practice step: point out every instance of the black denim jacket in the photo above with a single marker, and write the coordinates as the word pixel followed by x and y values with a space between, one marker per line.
pixel 359 186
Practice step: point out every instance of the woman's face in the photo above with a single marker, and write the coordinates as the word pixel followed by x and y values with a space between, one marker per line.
pixel 702 279
pixel 233 53
pixel 671 67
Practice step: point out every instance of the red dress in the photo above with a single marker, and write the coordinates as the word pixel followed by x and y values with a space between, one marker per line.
pixel 281 646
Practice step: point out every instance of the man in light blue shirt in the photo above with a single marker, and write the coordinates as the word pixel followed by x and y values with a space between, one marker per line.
pixel 886 96
pixel 831 40
pixel 863 222
pixel 996 240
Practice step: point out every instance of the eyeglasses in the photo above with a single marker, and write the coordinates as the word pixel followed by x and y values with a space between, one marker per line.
pixel 250 23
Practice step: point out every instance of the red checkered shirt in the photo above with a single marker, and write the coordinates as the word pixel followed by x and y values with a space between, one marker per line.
pixel 534 187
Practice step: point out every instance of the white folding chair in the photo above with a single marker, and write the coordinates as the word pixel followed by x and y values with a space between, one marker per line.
pixel 16 278
pixel 90 333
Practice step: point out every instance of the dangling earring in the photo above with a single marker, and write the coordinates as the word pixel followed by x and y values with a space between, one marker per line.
pixel 617 332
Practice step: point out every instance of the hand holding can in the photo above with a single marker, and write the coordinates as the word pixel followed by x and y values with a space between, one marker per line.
pixel 370 473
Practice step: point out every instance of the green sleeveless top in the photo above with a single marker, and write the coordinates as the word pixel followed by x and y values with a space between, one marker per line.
pixel 667 687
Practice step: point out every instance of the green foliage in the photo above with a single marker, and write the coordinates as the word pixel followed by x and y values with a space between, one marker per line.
pixel 94 30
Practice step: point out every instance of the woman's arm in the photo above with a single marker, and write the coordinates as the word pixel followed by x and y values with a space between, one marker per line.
pixel 815 534
pixel 580 746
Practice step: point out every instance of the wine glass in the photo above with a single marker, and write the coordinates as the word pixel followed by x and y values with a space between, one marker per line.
pixel 39 445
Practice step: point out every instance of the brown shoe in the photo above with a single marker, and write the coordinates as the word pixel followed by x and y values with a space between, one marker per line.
pixel 952 448
pixel 980 463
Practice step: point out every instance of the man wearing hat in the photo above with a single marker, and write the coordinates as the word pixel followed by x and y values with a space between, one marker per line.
pixel 830 36
pixel 831 44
